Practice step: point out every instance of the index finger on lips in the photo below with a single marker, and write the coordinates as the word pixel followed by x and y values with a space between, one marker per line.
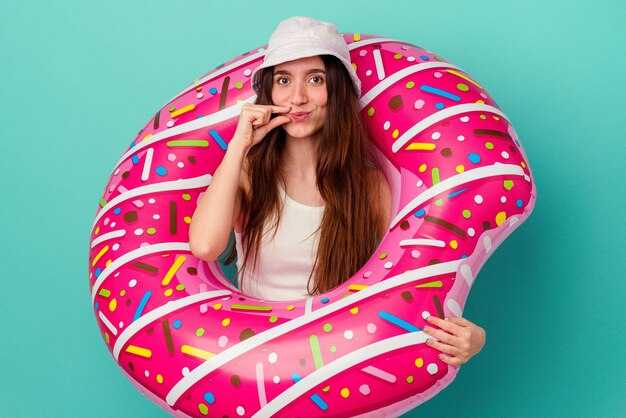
pixel 279 109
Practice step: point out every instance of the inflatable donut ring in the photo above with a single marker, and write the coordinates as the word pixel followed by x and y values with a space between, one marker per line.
pixel 196 346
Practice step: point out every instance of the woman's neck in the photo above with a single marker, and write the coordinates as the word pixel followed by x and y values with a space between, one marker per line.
pixel 299 157
pixel 298 165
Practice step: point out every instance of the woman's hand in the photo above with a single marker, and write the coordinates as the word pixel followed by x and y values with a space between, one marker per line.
pixel 458 337
pixel 256 121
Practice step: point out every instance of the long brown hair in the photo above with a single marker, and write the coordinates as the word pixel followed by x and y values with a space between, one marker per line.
pixel 353 221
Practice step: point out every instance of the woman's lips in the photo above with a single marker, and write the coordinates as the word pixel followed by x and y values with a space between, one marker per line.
pixel 299 116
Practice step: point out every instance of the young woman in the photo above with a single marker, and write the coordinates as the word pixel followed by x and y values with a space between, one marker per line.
pixel 300 183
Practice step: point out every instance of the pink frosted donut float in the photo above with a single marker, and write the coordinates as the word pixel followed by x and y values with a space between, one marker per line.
pixel 196 346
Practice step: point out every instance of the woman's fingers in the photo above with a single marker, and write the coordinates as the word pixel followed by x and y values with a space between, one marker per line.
pixel 457 336
pixel 278 109
pixel 256 121
pixel 452 361
pixel 273 123
pixel 440 335
pixel 460 321
pixel 444 324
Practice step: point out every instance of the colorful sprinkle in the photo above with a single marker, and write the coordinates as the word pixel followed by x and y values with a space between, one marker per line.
pixel 458 192
pixel 395 102
pixel 500 218
pixel 142 305
pixel 437 283
pixel 420 146
pixel 188 143
pixel 464 77
pixel 319 402
pixel 173 269
pixel 473 158
pixel 438 92
pixel 209 398
pixel 218 139
pixel 185 109
pixel 239 307
pixel 169 342
pixel 381 374
pixel 445 224
pixel 196 352
pixel 432 368
pixel 100 254
pixel 139 351
pixel 397 321
pixel 316 352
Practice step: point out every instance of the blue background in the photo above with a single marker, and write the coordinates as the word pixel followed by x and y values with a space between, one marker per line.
pixel 80 78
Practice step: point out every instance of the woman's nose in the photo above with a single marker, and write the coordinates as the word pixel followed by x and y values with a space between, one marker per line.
pixel 298 94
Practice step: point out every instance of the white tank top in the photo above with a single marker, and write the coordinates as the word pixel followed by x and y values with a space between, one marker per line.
pixel 285 261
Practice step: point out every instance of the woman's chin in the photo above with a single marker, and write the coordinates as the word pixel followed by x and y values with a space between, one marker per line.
pixel 300 130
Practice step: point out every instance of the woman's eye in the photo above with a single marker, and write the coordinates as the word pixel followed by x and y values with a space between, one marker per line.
pixel 317 79
pixel 282 80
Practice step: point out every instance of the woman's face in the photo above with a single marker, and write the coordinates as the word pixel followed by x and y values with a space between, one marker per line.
pixel 301 84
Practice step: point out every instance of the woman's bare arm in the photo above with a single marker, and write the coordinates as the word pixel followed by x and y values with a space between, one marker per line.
pixel 220 206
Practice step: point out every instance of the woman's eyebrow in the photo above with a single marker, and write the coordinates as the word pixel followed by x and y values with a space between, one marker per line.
pixel 311 71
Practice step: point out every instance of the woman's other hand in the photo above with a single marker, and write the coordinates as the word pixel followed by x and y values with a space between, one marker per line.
pixel 458 338
pixel 256 121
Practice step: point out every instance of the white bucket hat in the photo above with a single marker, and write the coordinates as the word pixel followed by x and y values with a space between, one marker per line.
pixel 302 37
